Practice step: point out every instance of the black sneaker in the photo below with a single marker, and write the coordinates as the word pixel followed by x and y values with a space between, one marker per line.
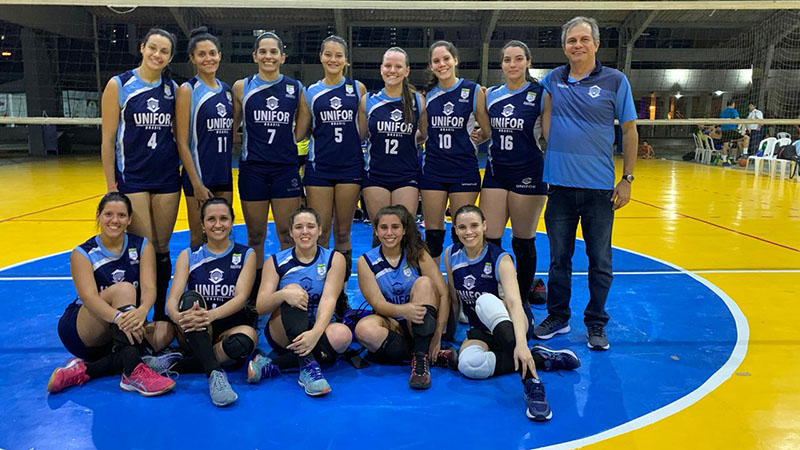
pixel 538 293
pixel 596 333
pixel 420 372
pixel 556 359
pixel 538 408
pixel 550 327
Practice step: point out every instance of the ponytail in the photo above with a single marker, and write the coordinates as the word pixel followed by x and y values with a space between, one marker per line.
pixel 432 81
pixel 528 77
pixel 407 97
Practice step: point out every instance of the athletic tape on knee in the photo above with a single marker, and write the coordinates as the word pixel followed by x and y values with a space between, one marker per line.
pixel 477 363
pixel 435 241
pixel 238 346
pixel 491 310
pixel 188 299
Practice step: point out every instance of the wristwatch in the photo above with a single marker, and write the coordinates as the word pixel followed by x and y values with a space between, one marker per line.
pixel 628 178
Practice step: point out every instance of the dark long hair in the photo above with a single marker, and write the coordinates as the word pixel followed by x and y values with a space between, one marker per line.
pixel 412 242
pixel 527 51
pixel 338 40
pixel 167 72
pixel 216 201
pixel 302 210
pixel 432 80
pixel 115 197
pixel 407 98
pixel 268 35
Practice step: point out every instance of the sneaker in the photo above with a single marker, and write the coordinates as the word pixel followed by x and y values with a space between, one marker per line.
pixel 221 392
pixel 163 363
pixel 538 408
pixel 420 372
pixel 538 293
pixel 447 358
pixel 596 334
pixel 146 382
pixel 72 374
pixel 312 381
pixel 261 367
pixel 550 327
pixel 556 359
pixel 726 164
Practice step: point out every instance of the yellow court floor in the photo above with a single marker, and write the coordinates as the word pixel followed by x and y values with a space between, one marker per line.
pixel 738 231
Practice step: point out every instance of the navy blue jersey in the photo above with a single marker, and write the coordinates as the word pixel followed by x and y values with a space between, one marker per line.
pixel 268 109
pixel 395 282
pixel 112 268
pixel 516 127
pixel 392 147
pixel 310 276
pixel 449 151
pixel 146 153
pixel 474 277
pixel 214 276
pixel 211 131
pixel 335 144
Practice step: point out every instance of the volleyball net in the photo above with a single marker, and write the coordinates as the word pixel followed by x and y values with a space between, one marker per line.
pixel 685 60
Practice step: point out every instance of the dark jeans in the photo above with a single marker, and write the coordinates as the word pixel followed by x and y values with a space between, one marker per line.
pixel 565 207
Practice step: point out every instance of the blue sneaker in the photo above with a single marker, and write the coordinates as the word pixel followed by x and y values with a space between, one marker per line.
pixel 312 381
pixel 556 359
pixel 261 367
pixel 163 363
pixel 538 408
pixel 550 327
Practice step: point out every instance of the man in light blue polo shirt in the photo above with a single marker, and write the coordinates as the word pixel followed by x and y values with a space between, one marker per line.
pixel 582 101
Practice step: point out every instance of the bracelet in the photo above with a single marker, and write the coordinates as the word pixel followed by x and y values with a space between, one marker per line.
pixel 116 317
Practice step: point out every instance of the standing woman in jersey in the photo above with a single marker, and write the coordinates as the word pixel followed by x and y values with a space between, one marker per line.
pixel 391 119
pixel 210 315
pixel 204 131
pixel 512 183
pixel 139 154
pixel 481 277
pixel 299 292
pixel 405 288
pixel 114 274
pixel 335 165
pixel 268 104
pixel 449 163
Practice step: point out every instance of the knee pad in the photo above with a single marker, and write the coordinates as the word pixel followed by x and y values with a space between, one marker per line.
pixel 324 352
pixel 435 241
pixel 395 350
pixel 428 325
pixel 496 241
pixel 491 310
pixel 238 346
pixel 188 299
pixel 477 363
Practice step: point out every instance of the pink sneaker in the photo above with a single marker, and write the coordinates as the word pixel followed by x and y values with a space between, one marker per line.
pixel 73 373
pixel 146 382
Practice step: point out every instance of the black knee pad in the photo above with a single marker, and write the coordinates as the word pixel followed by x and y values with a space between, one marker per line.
pixel 238 346
pixel 188 299
pixel 428 325
pixel 294 320
pixel 435 241
pixel 496 241
pixel 324 352
pixel 396 349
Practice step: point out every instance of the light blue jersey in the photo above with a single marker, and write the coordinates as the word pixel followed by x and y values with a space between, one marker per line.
pixel 310 276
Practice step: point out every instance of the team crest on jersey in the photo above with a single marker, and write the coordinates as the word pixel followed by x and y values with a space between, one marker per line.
pixel 221 110
pixel 469 282
pixel 306 283
pixel 448 108
pixel 118 276
pixel 228 96
pixel 152 104
pixel 531 97
pixel 289 90
pixel 167 91
pixel 406 271
pixel 487 268
pixel 594 91
pixel 133 255
pixel 508 110
pixel 527 180
pixel 397 288
pixel 272 103
pixel 348 88
pixel 236 259
pixel 465 93
pixel 396 115
pixel 215 276
pixel 320 269
pixel 336 103
pixel 295 183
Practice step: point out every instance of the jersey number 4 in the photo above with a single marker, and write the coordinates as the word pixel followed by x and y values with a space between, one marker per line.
pixel 153 141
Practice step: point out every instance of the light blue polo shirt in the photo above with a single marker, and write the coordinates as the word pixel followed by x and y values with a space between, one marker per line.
pixel 729 113
pixel 581 139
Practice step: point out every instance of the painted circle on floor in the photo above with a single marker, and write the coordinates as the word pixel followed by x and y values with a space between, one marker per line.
pixel 674 338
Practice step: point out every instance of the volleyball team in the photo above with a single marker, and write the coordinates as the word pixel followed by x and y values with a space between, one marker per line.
pixel 151 126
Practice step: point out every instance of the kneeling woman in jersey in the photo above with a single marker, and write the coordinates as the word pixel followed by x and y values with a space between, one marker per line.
pixel 479 274
pixel 405 289
pixel 299 291
pixel 211 315
pixel 115 276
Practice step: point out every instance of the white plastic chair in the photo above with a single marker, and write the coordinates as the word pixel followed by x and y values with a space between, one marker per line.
pixel 783 134
pixel 781 164
pixel 698 147
pixel 766 154
pixel 708 149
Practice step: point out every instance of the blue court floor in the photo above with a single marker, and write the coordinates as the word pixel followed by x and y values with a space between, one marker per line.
pixel 674 338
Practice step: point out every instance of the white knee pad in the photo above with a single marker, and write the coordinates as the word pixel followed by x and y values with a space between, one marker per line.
pixel 491 310
pixel 477 363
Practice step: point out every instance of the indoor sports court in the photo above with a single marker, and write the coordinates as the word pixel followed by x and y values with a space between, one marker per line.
pixel 706 257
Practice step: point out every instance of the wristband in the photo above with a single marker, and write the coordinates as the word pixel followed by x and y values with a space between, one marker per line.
pixel 116 317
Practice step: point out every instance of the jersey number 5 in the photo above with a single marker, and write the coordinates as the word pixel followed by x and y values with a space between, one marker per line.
pixel 337 134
